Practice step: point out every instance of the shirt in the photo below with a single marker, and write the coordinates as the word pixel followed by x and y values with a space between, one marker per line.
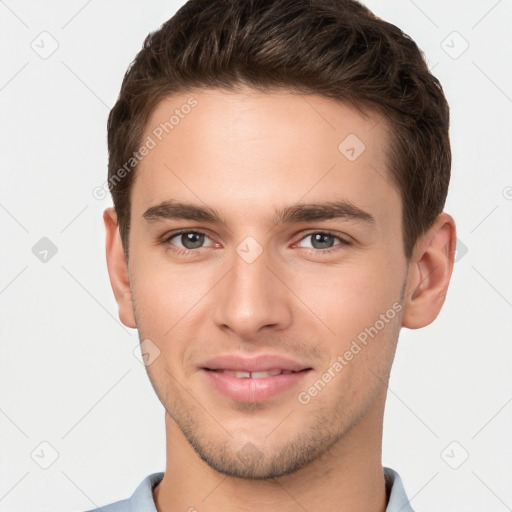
pixel 142 499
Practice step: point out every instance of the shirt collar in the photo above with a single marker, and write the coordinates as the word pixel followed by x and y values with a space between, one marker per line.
pixel 142 498
pixel 398 501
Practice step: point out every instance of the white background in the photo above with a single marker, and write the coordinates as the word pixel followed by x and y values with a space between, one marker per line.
pixel 68 373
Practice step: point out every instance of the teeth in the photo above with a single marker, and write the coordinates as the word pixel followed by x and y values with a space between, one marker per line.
pixel 260 375
pixel 239 375
pixel 255 375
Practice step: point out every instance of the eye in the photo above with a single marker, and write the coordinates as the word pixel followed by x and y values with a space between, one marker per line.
pixel 187 240
pixel 323 241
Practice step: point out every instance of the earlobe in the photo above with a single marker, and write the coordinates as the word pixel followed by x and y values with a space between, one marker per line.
pixel 118 269
pixel 429 274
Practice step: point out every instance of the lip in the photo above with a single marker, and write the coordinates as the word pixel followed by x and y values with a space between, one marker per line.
pixel 259 363
pixel 252 389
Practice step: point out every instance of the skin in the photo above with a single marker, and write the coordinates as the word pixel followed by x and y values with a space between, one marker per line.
pixel 248 154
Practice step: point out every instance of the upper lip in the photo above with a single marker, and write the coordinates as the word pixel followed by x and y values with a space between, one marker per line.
pixel 259 363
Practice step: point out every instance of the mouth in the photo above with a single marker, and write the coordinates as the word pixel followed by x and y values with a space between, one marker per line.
pixel 253 379
pixel 256 374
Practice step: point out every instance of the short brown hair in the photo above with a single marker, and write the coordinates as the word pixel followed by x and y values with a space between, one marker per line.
pixel 335 48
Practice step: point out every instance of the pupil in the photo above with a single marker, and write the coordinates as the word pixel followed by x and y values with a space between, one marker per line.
pixel 192 240
pixel 322 241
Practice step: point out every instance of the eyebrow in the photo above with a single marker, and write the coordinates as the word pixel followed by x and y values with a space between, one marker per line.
pixel 305 212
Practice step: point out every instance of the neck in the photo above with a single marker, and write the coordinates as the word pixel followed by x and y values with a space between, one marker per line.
pixel 348 477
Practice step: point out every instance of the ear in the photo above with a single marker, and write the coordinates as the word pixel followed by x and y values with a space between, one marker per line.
pixel 118 269
pixel 429 273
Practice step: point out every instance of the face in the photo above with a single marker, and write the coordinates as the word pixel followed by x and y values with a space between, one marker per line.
pixel 266 270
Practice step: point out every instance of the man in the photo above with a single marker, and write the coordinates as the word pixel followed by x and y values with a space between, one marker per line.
pixel 279 171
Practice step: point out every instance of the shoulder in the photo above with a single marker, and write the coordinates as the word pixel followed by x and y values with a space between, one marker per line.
pixel 118 506
pixel 141 499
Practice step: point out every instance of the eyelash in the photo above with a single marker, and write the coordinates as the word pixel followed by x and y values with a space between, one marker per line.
pixel 184 252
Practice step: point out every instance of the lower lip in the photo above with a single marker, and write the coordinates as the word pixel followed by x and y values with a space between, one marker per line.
pixel 253 390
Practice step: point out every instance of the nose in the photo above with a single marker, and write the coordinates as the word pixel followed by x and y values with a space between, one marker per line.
pixel 252 298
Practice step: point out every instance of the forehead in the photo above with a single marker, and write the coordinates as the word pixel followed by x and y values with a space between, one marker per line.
pixel 262 149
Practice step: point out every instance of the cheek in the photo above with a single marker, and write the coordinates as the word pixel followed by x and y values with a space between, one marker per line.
pixel 174 304
pixel 347 299
pixel 168 296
